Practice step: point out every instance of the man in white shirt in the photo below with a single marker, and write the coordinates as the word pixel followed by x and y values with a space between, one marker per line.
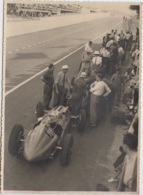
pixel 121 55
pixel 117 38
pixel 86 62
pixel 112 34
pixel 88 46
pixel 104 51
pixel 99 90
pixel 109 43
pixel 96 61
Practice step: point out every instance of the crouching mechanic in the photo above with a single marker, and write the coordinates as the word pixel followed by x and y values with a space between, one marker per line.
pixel 79 91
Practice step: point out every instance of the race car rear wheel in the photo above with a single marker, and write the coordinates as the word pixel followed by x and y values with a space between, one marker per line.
pixel 39 110
pixel 65 154
pixel 15 139
pixel 82 122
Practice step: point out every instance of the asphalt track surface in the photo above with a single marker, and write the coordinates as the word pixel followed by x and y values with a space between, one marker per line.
pixel 91 160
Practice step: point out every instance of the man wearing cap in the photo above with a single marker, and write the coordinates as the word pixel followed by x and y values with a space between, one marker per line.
pixel 79 91
pixel 96 61
pixel 62 86
pixel 86 61
pixel 48 79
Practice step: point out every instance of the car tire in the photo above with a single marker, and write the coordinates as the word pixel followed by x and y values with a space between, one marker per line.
pixel 40 109
pixel 16 135
pixel 82 122
pixel 65 154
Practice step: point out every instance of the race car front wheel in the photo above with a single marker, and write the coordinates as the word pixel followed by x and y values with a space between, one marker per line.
pixel 15 139
pixel 65 154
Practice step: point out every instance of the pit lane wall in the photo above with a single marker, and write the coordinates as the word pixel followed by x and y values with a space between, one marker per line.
pixel 16 27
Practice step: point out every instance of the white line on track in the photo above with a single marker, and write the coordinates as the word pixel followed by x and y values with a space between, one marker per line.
pixel 34 76
pixel 42 42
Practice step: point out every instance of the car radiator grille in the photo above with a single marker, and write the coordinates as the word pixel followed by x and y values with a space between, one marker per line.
pixel 50 132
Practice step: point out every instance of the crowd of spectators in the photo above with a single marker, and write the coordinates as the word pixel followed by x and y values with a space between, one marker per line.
pixel 39 10
pixel 126 163
pixel 70 6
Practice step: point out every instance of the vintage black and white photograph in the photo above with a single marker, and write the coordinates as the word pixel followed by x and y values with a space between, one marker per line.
pixel 71 103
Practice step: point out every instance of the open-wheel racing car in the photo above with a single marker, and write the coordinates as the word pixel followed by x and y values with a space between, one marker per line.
pixel 48 135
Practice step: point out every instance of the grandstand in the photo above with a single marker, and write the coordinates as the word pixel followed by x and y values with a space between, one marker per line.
pixel 40 10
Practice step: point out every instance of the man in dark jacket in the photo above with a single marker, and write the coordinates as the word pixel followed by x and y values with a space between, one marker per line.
pixel 79 91
pixel 48 79
pixel 117 81
pixel 62 87
pixel 113 58
pixel 111 96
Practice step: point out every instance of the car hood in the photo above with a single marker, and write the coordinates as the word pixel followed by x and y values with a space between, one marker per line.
pixel 38 144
